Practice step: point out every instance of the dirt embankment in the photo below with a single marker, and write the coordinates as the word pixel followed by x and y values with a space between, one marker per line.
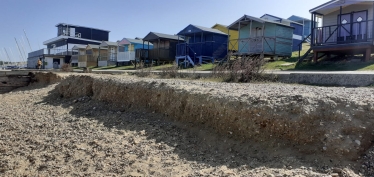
pixel 90 124
pixel 333 122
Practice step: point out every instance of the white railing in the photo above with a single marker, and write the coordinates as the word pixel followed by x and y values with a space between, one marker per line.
pixel 343 33
pixel 125 56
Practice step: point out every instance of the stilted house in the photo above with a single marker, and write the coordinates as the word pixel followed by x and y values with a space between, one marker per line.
pixel 262 37
pixel 298 31
pixel 233 35
pixel 347 28
pixel 77 52
pixel 201 44
pixel 128 46
pixel 164 47
pixel 108 53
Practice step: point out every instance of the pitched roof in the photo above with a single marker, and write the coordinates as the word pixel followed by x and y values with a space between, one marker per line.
pixel 107 43
pixel 212 30
pixel 79 46
pixel 200 29
pixel 334 5
pixel 92 46
pixel 136 41
pixel 234 25
pixel 282 20
pixel 151 36
pixel 271 16
pixel 217 24
pixel 301 18
pixel 127 41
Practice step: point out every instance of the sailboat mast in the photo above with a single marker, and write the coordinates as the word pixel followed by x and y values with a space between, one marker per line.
pixel 27 40
pixel 10 61
pixel 19 51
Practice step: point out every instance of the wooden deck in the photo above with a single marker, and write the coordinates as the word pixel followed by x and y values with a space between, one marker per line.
pixel 365 48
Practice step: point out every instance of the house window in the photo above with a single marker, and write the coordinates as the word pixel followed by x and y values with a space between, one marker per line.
pixel 258 32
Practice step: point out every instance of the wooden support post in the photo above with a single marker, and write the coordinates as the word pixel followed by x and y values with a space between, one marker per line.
pixel 372 34
pixel 367 54
pixel 158 53
pixel 315 56
pixel 312 31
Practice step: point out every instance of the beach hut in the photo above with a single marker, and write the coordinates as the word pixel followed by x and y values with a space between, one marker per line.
pixel 201 44
pixel 127 48
pixel 90 59
pixel 78 51
pixel 233 35
pixel 307 24
pixel 108 53
pixel 298 31
pixel 164 47
pixel 262 37
pixel 347 28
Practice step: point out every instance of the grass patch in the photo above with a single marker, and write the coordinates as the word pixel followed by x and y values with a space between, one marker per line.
pixel 105 67
pixel 161 67
pixel 130 67
pixel 278 64
pixel 205 67
pixel 336 66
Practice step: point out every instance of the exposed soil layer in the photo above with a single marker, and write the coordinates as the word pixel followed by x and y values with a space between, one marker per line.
pixel 122 125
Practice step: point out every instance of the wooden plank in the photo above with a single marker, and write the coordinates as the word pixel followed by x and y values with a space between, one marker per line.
pixel 367 54
pixel 341 47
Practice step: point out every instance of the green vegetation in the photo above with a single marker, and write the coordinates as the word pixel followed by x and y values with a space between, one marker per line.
pixel 288 63
pixel 205 67
pixel 336 66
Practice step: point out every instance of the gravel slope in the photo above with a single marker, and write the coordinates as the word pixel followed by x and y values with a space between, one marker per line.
pixel 44 134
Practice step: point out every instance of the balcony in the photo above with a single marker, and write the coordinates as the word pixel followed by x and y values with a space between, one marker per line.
pixel 357 32
pixel 52 51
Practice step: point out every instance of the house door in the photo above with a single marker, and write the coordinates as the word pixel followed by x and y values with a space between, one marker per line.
pixel 56 63
pixel 345 28
pixel 359 26
pixel 353 27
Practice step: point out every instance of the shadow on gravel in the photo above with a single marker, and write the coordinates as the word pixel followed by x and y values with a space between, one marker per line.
pixel 191 142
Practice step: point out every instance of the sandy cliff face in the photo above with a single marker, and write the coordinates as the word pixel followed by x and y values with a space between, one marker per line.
pixel 330 121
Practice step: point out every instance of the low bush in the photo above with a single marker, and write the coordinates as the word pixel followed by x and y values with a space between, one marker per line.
pixel 66 67
pixel 242 69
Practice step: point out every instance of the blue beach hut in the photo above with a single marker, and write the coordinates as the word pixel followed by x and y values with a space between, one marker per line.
pixel 201 44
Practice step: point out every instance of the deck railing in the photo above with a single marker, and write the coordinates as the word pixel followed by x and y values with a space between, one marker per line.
pixel 248 45
pixel 126 56
pixel 111 56
pixel 343 33
pixel 51 51
pixel 259 45
pixel 200 48
pixel 155 54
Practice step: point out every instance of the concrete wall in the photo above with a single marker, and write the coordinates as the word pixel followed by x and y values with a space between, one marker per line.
pixel 324 79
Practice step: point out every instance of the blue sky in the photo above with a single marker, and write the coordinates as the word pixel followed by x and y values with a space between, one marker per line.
pixel 128 18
